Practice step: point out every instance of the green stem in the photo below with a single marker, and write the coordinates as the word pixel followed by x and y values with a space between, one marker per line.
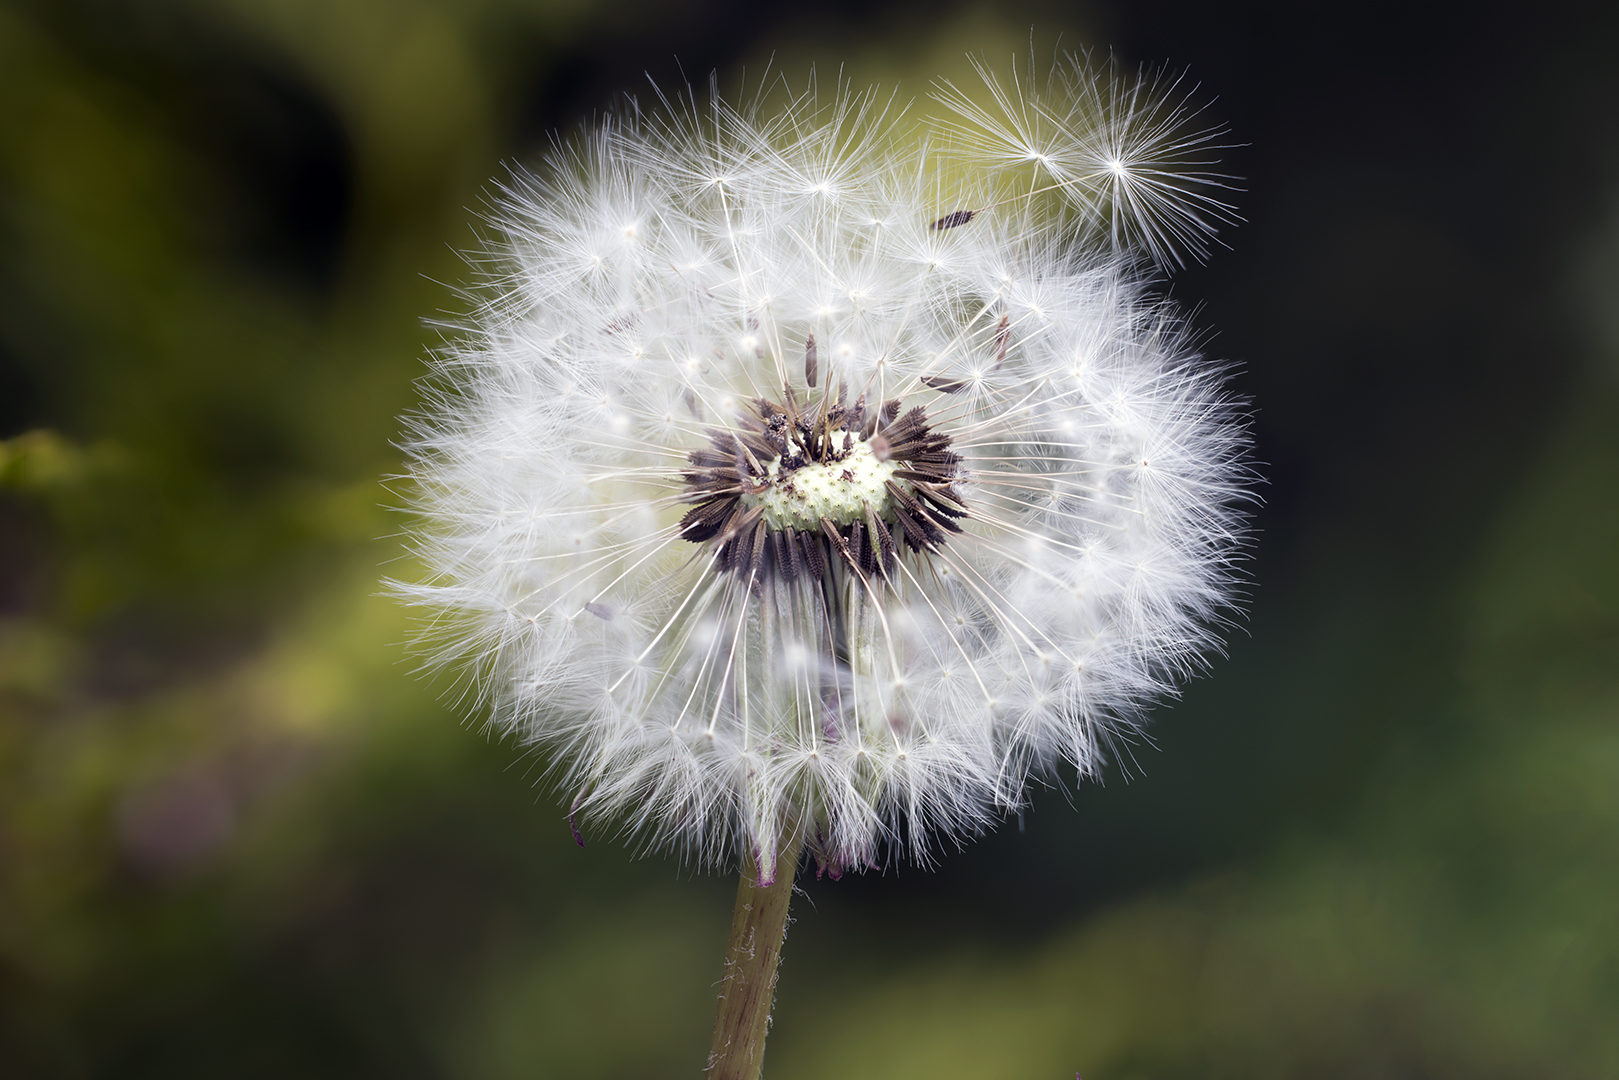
pixel 748 989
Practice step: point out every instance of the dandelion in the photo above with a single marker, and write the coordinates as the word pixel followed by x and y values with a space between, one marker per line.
pixel 797 486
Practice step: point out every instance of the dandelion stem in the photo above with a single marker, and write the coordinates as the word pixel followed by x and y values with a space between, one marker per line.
pixel 748 988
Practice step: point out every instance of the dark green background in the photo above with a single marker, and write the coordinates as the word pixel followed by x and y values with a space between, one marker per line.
pixel 238 838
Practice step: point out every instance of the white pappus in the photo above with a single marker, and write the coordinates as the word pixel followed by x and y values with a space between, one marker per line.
pixel 798 481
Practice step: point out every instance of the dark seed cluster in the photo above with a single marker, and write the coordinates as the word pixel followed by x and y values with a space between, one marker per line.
pixel 954 219
pixel 772 443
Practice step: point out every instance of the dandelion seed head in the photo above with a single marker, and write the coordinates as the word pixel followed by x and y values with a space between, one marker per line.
pixel 770 497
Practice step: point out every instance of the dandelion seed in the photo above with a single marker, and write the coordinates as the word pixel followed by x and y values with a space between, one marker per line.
pixel 953 219
pixel 1128 154
pixel 800 513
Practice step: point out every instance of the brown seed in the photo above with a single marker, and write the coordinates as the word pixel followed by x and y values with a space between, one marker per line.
pixel 1003 338
pixel 756 554
pixel 914 519
pixel 881 541
pixel 859 553
pixel 810 547
pixel 915 533
pixel 708 520
pixel 788 558
pixel 840 544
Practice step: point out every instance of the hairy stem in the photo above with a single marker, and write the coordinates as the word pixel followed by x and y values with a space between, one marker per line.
pixel 748 988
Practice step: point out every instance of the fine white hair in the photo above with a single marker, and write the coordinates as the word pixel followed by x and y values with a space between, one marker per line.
pixel 1049 553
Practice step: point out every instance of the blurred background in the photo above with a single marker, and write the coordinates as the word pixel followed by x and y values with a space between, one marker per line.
pixel 239 838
